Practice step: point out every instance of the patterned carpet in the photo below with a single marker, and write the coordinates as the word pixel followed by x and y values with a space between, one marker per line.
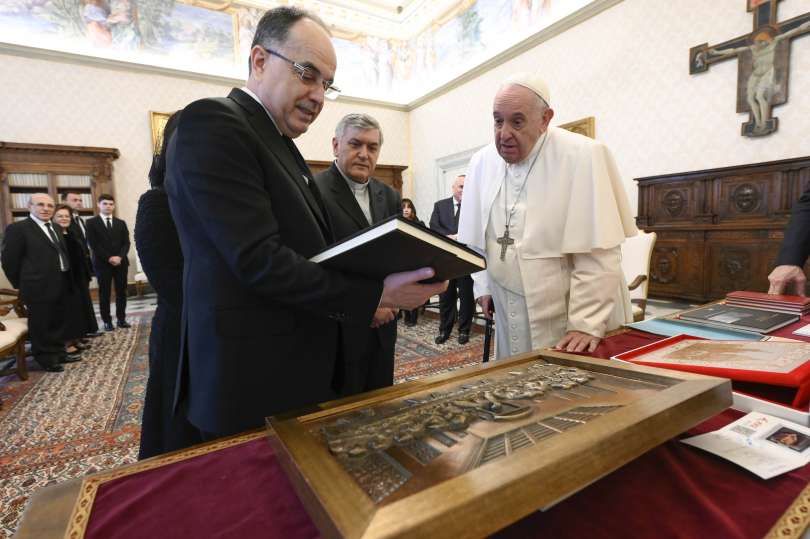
pixel 57 426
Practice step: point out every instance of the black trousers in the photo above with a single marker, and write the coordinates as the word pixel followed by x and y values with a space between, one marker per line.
pixel 458 290
pixel 46 327
pixel 108 274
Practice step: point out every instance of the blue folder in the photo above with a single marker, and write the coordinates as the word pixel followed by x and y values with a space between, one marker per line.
pixel 670 328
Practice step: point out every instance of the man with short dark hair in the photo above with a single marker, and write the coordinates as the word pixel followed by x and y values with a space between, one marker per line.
pixel 108 237
pixel 79 229
pixel 354 201
pixel 260 321
pixel 458 301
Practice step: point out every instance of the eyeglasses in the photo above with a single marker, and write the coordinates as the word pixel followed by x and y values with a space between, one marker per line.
pixel 309 76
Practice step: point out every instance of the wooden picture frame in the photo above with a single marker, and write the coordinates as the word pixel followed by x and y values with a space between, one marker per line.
pixel 585 126
pixel 490 494
pixel 157 123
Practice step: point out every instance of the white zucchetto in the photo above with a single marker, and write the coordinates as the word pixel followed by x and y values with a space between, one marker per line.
pixel 533 82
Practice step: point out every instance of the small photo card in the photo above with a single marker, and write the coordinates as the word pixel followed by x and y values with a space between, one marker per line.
pixel 790 438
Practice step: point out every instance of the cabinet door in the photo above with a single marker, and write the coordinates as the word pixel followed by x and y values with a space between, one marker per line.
pixel 677 269
pixel 739 260
pixel 674 203
pixel 750 199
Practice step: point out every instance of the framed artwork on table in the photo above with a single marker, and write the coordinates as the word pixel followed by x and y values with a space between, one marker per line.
pixel 479 448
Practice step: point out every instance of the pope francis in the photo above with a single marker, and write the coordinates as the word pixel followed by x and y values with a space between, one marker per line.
pixel 548 210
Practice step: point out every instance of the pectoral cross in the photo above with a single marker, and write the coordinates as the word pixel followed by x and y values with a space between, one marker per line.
pixel 762 72
pixel 504 241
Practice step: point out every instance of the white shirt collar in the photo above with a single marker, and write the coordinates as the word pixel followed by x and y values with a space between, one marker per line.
pixel 38 221
pixel 249 92
pixel 355 186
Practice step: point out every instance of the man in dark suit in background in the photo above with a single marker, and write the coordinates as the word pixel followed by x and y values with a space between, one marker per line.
pixel 259 329
pixel 354 201
pixel 444 220
pixel 35 260
pixel 108 237
pixel 788 276
pixel 79 229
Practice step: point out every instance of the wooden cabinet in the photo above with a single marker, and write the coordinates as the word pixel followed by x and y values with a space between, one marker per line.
pixel 718 230
pixel 26 169
pixel 388 174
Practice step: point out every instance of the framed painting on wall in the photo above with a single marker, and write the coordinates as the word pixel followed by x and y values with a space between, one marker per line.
pixel 585 126
pixel 157 122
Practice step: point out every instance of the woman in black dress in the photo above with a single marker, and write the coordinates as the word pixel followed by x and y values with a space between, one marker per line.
pixel 409 213
pixel 162 260
pixel 78 296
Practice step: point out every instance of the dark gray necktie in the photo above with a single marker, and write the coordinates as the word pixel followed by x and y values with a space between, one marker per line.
pixel 55 239
pixel 109 224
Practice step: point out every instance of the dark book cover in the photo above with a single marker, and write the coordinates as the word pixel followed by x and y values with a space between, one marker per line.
pixel 744 318
pixel 395 245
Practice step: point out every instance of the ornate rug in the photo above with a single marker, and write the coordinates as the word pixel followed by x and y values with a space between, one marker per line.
pixel 58 426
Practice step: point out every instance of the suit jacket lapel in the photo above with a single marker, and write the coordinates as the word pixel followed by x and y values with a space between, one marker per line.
pixel 37 231
pixel 376 196
pixel 271 138
pixel 345 198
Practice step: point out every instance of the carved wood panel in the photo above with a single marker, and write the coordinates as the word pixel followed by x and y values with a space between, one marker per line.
pixel 673 203
pixel 675 266
pixel 718 230
pixel 749 198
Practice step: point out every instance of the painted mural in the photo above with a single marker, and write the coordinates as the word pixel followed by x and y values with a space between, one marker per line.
pixel 190 35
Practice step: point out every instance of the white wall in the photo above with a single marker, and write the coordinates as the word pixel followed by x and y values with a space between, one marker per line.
pixel 628 67
pixel 52 102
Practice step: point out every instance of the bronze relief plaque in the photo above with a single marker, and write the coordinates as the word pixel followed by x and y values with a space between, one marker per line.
pixel 400 460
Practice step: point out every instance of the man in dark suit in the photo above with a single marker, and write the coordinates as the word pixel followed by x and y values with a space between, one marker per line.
pixel 79 229
pixel 354 200
pixel 788 276
pixel 108 237
pixel 35 260
pixel 444 220
pixel 259 329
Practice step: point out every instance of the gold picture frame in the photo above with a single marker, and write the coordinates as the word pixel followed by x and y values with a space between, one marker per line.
pixel 585 126
pixel 157 122
pixel 456 485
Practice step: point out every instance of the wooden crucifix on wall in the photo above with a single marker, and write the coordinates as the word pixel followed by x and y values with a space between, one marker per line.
pixel 763 59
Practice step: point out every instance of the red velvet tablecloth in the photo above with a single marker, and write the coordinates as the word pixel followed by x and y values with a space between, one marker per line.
pixel 674 490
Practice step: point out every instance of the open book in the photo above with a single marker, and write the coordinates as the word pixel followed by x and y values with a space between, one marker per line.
pixel 396 244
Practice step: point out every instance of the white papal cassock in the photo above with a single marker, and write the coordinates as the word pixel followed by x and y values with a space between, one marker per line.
pixel 563 271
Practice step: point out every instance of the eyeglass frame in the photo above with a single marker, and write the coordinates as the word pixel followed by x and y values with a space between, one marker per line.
pixel 301 70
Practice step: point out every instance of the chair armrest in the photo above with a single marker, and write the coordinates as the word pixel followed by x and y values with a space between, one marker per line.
pixel 637 282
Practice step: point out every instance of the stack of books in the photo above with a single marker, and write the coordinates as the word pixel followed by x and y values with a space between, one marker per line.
pixel 797 305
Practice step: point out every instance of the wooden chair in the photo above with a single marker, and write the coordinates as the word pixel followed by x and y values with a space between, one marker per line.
pixel 140 277
pixel 636 256
pixel 13 332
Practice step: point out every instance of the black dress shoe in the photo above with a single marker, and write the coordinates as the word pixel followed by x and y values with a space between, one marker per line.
pixel 54 368
pixel 108 326
pixel 463 338
pixel 71 358
pixel 94 335
pixel 124 325
pixel 441 338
